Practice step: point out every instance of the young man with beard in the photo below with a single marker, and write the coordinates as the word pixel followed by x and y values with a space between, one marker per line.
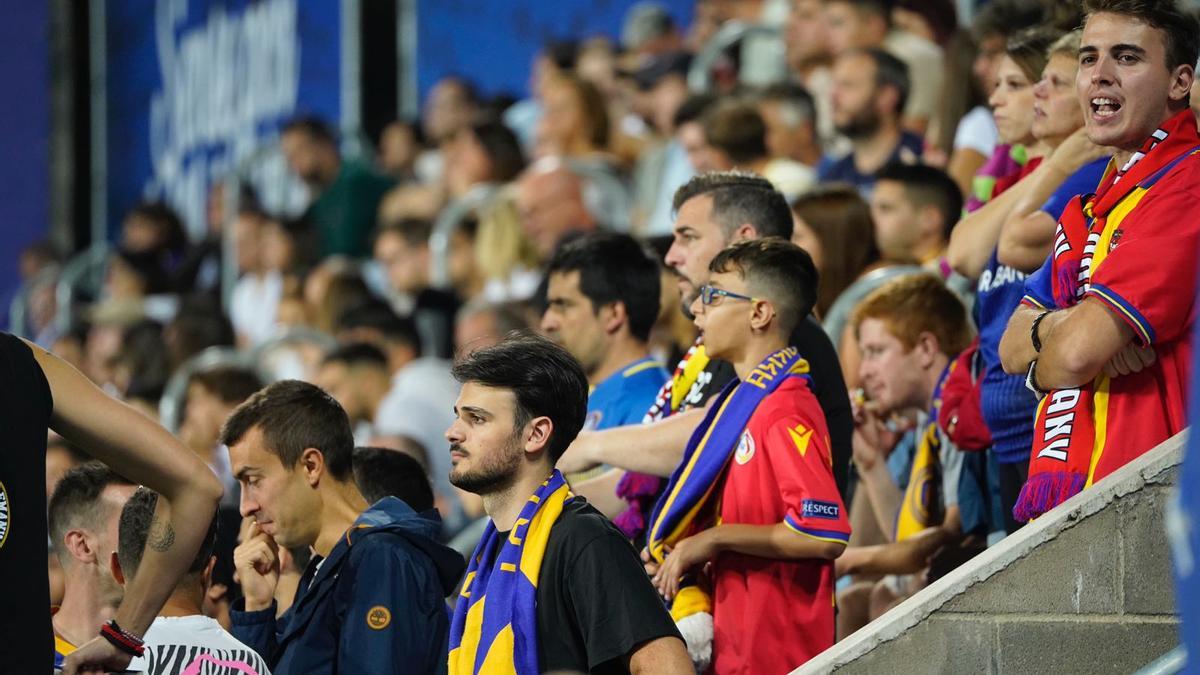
pixel 552 585
pixel 755 494
pixel 869 89
pixel 1104 329
pixel 371 600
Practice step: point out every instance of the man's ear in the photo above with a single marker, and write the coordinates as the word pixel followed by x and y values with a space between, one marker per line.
pixel 744 232
pixel 76 543
pixel 537 434
pixel 762 316
pixel 613 316
pixel 927 348
pixel 1180 88
pixel 312 463
pixel 206 573
pixel 114 566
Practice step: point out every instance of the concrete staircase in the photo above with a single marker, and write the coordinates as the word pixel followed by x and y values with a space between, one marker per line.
pixel 1086 588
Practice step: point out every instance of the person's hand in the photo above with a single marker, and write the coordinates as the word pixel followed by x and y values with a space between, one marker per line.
pixel 649 563
pixel 257 563
pixel 576 459
pixel 872 439
pixel 687 554
pixel 1131 359
pixel 96 657
pixel 1076 151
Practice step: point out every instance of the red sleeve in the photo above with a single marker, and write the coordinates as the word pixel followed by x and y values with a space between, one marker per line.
pixel 798 449
pixel 1149 277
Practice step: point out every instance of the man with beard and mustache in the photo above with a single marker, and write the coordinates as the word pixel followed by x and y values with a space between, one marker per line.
pixel 84 511
pixel 371 599
pixel 870 87
pixel 552 585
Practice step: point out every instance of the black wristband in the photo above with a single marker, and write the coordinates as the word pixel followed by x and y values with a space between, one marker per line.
pixel 1031 380
pixel 1033 332
pixel 122 639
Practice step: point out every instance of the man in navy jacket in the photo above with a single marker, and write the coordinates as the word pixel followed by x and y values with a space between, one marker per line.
pixel 371 601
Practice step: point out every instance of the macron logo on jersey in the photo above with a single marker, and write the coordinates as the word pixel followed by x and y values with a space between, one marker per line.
pixel 812 508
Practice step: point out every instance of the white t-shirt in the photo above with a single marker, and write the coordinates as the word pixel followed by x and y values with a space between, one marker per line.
pixel 255 304
pixel 195 645
pixel 977 131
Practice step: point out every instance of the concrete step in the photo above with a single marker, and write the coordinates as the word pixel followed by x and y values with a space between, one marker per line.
pixel 1086 588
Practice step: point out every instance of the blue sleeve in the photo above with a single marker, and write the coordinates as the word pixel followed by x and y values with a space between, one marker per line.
pixel 1039 286
pixel 257 629
pixel 1083 181
pixel 392 612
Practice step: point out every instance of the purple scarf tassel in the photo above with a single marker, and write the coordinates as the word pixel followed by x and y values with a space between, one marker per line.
pixel 640 491
pixel 1045 491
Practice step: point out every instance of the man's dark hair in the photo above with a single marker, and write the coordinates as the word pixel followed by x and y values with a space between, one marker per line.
pixel 75 500
pixel 1004 18
pixel 737 129
pixel 881 8
pixel 776 270
pixel 501 146
pixel 357 354
pixel 889 72
pixel 134 529
pixel 927 186
pixel 562 53
pixel 693 108
pixel 414 231
pixel 293 416
pixel 796 101
pixel 545 379
pixel 230 384
pixel 314 127
pixel 1181 31
pixel 377 315
pixel 160 213
pixel 614 268
pixel 384 472
pixel 740 198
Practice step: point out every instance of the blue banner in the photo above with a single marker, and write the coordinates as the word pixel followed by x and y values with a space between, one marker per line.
pixel 196 87
pixel 492 42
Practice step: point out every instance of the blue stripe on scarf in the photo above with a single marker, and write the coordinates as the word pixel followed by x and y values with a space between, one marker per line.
pixel 712 444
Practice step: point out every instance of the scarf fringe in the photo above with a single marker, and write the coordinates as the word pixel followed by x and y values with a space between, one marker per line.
pixel 1045 491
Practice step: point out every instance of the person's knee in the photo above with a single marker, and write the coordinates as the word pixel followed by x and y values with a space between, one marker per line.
pixel 881 599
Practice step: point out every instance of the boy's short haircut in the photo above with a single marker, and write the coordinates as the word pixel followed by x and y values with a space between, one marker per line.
pixel 777 270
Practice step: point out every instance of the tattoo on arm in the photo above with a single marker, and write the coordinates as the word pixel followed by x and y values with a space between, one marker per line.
pixel 161 536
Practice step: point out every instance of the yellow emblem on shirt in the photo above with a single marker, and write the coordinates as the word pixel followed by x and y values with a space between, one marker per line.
pixel 800 436
pixel 378 617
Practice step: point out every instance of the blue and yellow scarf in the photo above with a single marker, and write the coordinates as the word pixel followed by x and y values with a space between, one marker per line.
pixel 495 623
pixel 707 454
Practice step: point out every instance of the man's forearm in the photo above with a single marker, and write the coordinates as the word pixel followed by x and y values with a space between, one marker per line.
pixel 776 542
pixel 885 496
pixel 903 557
pixel 1016 347
pixel 654 449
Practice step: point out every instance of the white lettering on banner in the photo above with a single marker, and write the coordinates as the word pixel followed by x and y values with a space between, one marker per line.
pixel 226 84
pixel 1002 276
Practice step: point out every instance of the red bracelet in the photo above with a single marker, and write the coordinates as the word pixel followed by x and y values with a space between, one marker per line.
pixel 121 639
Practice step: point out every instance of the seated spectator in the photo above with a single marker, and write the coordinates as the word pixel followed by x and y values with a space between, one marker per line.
pixel 345 193
pixel 833 225
pixel 331 288
pixel 1109 344
pixel 504 256
pixel 142 366
pixel 356 375
pixel 551 204
pixel 737 139
pixel 182 636
pixel 556 58
pixel 255 301
pixel 809 58
pixel 909 331
pixel 61 457
pixel 870 87
pixel 482 325
pixel 399 146
pixel 134 275
pixel 384 472
pixel 402 249
pixel 867 25
pixel 662 168
pixel 199 324
pixel 154 228
pixel 574 120
pixel 449 107
pixel 790 115
pixel 83 513
pixel 482 152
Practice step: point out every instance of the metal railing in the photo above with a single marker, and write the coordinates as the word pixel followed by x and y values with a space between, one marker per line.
pixel 728 35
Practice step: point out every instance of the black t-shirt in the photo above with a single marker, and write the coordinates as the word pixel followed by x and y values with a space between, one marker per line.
pixel 27 642
pixel 595 604
pixel 828 385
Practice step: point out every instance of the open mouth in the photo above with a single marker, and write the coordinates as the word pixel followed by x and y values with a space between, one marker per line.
pixel 1105 107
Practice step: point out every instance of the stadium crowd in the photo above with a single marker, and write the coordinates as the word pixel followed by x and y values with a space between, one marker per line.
pixel 634 376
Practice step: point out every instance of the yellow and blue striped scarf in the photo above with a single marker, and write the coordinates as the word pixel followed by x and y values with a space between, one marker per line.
pixel 495 623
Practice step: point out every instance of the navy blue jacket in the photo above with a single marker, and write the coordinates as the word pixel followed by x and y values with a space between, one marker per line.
pixel 375 605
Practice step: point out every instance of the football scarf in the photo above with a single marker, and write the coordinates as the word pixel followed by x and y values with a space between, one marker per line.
pixel 494 629
pixel 1069 429
pixel 692 485
pixel 922 505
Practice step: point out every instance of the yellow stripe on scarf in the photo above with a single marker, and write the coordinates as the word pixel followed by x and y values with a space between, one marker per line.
pixel 691 372
pixel 914 513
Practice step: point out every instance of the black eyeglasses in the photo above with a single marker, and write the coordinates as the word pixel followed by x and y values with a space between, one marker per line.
pixel 708 294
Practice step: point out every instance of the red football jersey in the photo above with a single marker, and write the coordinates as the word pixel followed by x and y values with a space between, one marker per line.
pixel 770 616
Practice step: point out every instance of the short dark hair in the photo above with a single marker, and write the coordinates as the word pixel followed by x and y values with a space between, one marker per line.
pixel 693 108
pixel 134 529
pixel 167 219
pixel 293 416
pixel 927 186
pixel 795 99
pixel 230 384
pixel 890 72
pixel 1181 31
pixel 414 231
pixel 74 501
pixel 881 8
pixel 501 146
pixel 739 198
pixel 377 315
pixel 357 354
pixel 1003 18
pixel 543 376
pixel 737 129
pixel 384 472
pixel 614 268
pixel 314 127
pixel 777 269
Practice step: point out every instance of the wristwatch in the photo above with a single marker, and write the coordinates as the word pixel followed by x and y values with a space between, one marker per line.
pixel 1031 380
pixel 1033 331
